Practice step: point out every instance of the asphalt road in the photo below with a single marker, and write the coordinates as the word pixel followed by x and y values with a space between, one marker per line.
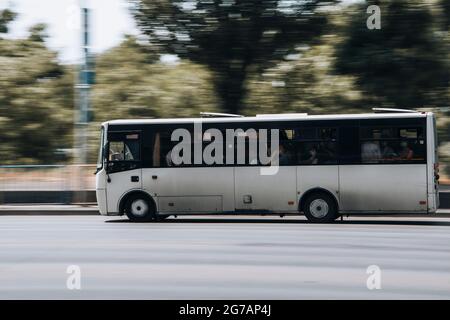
pixel 223 258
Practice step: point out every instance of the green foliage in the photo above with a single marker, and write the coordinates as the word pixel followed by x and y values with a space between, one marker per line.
pixel 6 16
pixel 131 82
pixel 405 64
pixel 35 103
pixel 446 13
pixel 248 57
pixel 402 65
pixel 305 83
pixel 230 37
pixel 38 33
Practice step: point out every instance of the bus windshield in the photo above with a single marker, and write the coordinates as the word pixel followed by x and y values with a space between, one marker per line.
pixel 100 151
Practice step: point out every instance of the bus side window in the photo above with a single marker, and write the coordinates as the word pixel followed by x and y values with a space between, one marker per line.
pixel 131 152
pixel 349 145
pixel 162 150
pixel 162 147
pixel 127 150
pixel 116 151
pixel 157 151
pixel 392 145
pixel 316 145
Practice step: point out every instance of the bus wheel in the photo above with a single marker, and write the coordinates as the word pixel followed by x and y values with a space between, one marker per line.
pixel 320 207
pixel 139 209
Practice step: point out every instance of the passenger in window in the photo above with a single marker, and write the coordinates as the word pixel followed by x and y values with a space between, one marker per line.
pixel 116 151
pixel 169 161
pixel 129 155
pixel 325 153
pixel 117 156
pixel 285 156
pixel 387 152
pixel 370 150
pixel 312 156
pixel 406 153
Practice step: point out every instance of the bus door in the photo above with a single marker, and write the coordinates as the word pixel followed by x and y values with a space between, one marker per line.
pixel 185 187
pixel 124 166
pixel 260 188
pixel 255 191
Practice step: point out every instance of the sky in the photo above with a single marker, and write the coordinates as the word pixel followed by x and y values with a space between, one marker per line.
pixel 111 20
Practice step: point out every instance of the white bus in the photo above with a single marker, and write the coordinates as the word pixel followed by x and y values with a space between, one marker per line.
pixel 328 165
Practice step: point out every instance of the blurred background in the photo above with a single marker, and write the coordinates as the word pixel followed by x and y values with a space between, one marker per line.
pixel 64 70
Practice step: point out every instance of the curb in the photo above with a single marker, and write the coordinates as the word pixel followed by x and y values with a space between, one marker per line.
pixel 49 213
pixel 48 210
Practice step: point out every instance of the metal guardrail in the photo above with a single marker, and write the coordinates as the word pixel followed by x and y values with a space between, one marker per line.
pixel 47 177
pixel 47 183
pixel 68 184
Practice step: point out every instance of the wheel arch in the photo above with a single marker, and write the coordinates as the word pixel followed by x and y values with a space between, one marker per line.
pixel 309 192
pixel 126 196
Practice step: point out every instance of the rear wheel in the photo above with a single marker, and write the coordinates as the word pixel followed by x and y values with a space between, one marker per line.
pixel 320 208
pixel 139 208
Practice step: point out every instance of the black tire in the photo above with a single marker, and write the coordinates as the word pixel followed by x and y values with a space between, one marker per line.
pixel 139 208
pixel 320 207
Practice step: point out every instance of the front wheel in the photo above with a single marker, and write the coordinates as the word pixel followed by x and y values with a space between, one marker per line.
pixel 139 209
pixel 320 208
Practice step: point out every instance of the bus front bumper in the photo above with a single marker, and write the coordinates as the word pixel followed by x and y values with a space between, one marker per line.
pixel 101 201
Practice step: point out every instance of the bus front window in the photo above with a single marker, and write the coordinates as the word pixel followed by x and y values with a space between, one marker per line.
pixel 120 151
pixel 124 152
pixel 100 151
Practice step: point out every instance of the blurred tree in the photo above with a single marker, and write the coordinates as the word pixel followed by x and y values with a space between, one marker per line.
pixel 304 83
pixel 230 36
pixel 132 82
pixel 6 16
pixel 38 32
pixel 36 95
pixel 446 11
pixel 35 102
pixel 403 65
pixel 406 64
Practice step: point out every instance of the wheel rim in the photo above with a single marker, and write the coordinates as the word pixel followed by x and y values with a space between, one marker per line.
pixel 319 208
pixel 139 208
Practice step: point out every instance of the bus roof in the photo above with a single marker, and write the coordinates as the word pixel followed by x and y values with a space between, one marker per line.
pixel 264 118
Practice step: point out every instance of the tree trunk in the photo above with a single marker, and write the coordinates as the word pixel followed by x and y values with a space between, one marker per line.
pixel 230 87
